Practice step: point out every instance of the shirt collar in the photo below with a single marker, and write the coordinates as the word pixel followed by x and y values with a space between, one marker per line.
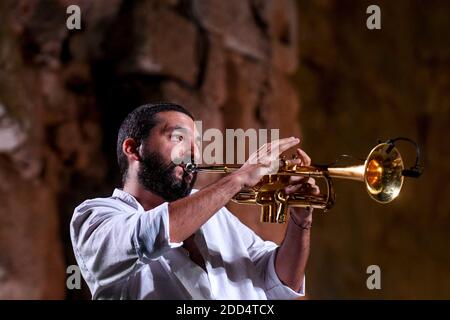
pixel 130 200
pixel 127 198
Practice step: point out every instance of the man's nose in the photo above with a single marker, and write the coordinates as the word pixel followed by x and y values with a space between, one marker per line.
pixel 190 152
pixel 195 152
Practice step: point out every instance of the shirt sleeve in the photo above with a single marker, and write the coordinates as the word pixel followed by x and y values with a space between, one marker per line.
pixel 275 288
pixel 108 241
pixel 262 253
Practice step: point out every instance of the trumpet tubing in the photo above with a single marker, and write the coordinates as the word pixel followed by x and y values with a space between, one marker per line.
pixel 381 173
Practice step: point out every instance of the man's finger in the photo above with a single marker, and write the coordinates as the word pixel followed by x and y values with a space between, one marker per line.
pixel 280 142
pixel 283 145
pixel 306 185
pixel 301 179
pixel 295 161
pixel 269 148
pixel 315 190
pixel 304 157
pixel 295 179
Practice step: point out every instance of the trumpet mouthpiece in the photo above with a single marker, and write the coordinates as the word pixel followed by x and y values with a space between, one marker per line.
pixel 189 167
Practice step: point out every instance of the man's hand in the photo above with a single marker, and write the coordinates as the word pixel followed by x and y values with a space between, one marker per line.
pixel 302 216
pixel 293 253
pixel 264 161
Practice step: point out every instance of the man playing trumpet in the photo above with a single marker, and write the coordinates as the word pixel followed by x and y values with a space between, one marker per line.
pixel 156 238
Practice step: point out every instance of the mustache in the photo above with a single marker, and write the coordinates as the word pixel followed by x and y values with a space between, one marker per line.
pixel 183 162
pixel 171 166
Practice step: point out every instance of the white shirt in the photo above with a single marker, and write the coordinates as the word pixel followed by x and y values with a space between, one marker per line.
pixel 124 252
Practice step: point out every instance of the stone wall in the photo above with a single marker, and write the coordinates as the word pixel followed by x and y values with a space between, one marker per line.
pixel 357 86
pixel 64 93
pixel 235 64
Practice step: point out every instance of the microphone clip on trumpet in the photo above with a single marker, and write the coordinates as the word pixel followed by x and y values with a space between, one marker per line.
pixel 382 173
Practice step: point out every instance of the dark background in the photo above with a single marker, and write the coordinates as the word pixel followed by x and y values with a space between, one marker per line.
pixel 309 68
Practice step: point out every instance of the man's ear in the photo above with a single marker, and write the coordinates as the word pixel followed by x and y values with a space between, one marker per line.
pixel 131 149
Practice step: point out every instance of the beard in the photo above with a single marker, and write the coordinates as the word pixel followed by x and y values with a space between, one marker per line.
pixel 159 177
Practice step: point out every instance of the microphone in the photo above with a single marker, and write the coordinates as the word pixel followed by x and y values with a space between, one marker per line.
pixel 414 171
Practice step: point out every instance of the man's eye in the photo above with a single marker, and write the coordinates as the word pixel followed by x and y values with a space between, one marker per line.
pixel 177 137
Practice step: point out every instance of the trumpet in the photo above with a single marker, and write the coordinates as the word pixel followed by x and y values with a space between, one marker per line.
pixel 382 173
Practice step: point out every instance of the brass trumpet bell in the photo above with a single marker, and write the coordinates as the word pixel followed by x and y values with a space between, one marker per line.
pixel 383 173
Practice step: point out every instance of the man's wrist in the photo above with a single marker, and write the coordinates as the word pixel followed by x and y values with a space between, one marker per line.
pixel 238 179
pixel 304 223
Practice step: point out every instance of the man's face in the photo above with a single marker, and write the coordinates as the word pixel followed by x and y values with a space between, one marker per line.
pixel 170 143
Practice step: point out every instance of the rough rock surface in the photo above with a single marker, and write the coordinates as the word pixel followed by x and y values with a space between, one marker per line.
pixel 63 94
pixel 234 64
